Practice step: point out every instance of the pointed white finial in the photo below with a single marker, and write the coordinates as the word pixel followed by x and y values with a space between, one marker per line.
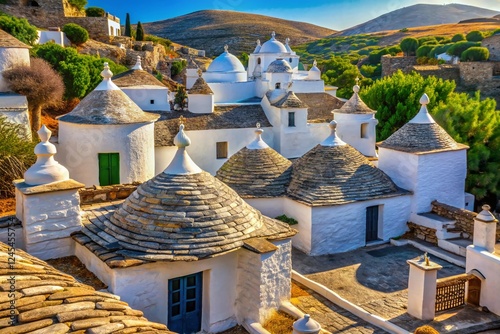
pixel 46 169
pixel 315 63
pixel 258 42
pixel 258 143
pixel 106 73
pixel 485 215
pixel 138 64
pixel 356 88
pixel 273 35
pixel 423 116
pixel 182 163
pixel 226 48
pixel 287 41
pixel 333 139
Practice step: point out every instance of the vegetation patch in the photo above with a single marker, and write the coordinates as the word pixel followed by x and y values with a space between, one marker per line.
pixel 19 28
pixel 279 323
pixel 288 220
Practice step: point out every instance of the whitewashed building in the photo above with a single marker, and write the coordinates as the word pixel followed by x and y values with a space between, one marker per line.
pixel 188 251
pixel 149 93
pixel 13 107
pixel 107 138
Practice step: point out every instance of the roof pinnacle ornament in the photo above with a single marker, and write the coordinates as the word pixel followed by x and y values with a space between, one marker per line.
pixel 258 143
pixel 333 139
pixel 138 64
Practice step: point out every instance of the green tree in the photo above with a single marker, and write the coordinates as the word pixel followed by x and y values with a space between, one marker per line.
pixel 40 83
pixel 341 73
pixel 79 4
pixel 244 59
pixel 458 38
pixel 128 26
pixel 139 35
pixel 476 123
pixel 458 48
pixel 475 36
pixel 95 12
pixel 396 98
pixel 425 50
pixel 177 67
pixel 409 46
pixel 19 28
pixel 180 96
pixel 76 33
pixel 475 53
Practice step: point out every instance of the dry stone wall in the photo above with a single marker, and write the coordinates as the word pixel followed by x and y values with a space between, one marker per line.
pixel 493 45
pixel 99 194
pixel 390 64
pixel 446 72
pixel 474 73
pixel 422 233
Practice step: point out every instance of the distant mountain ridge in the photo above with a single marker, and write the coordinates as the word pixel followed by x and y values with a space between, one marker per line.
pixel 210 30
pixel 420 15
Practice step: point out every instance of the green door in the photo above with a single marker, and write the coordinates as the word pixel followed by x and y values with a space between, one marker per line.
pixel 109 168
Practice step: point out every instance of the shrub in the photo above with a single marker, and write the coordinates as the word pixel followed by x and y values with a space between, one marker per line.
pixel 394 50
pixel 375 57
pixel 497 31
pixel 288 220
pixel 404 30
pixel 79 4
pixel 180 96
pixel 75 33
pixel 475 53
pixel 475 36
pixel 427 40
pixel 95 12
pixel 458 48
pixel 19 28
pixel 439 49
pixel 177 67
pixel 424 50
pixel 458 38
pixel 158 40
pixel 409 46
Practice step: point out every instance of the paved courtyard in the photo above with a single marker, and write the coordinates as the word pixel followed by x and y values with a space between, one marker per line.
pixel 376 279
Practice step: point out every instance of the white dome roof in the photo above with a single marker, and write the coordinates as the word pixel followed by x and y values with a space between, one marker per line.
pixel 226 62
pixel 273 46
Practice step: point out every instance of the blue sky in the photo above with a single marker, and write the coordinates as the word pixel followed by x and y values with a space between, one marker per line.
pixel 337 14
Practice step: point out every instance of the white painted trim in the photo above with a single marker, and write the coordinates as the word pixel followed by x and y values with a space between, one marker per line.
pixel 347 305
pixel 254 328
pixel 437 253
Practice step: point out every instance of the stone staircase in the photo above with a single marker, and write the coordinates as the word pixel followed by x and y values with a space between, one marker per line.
pixel 449 237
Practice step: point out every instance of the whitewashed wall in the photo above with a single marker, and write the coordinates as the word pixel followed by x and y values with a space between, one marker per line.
pixel 57 37
pixel 116 31
pixel 47 227
pixel 268 58
pixel 203 147
pixel 201 103
pixel 308 86
pixel 191 77
pixel 15 108
pixel 10 57
pixel 303 214
pixel 231 92
pixel 142 96
pixel 271 207
pixel 79 145
pixel 228 77
pixel 487 264
pixel 349 130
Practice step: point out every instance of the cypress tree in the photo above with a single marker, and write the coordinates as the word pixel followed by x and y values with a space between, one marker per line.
pixel 139 35
pixel 128 27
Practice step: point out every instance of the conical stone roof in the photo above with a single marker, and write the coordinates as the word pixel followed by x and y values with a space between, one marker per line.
pixel 335 173
pixel 355 105
pixel 9 41
pixel 422 134
pixel 186 214
pixel 108 104
pixel 200 87
pixel 136 76
pixel 257 171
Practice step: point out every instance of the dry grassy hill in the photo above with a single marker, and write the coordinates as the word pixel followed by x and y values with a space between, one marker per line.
pixel 420 15
pixel 210 30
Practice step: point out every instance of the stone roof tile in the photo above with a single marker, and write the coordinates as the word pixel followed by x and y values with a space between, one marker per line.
pixel 355 105
pixel 320 106
pixel 257 173
pixel 9 41
pixel 290 100
pixel 334 175
pixel 200 87
pixel 135 77
pixel 62 305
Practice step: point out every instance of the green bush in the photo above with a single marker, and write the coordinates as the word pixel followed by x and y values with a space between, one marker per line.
pixel 288 220
pixel 139 33
pixel 79 4
pixel 458 38
pixel 177 67
pixel 475 36
pixel 427 40
pixel 475 53
pixel 394 50
pixel 404 30
pixel 75 33
pixel 439 49
pixel 409 46
pixel 95 12
pixel 375 57
pixel 19 28
pixel 425 50
pixel 458 48
pixel 158 40
pixel 497 31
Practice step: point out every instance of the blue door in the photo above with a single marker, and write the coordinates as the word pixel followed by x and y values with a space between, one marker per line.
pixel 184 303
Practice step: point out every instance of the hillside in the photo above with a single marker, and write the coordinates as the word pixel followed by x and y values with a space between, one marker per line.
pixel 420 15
pixel 210 30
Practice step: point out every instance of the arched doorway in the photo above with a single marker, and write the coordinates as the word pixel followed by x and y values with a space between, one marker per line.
pixel 474 287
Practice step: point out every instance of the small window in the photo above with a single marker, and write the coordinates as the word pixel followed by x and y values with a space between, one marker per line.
pixel 364 130
pixel 258 61
pixel 278 85
pixel 222 150
pixel 291 119
pixel 290 60
pixel 111 31
pixel 152 101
